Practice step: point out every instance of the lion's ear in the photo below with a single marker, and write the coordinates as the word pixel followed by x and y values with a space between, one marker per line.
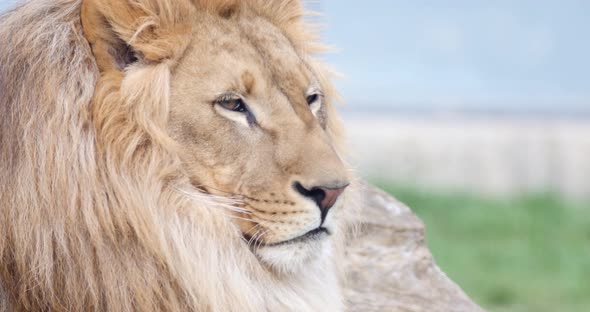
pixel 121 32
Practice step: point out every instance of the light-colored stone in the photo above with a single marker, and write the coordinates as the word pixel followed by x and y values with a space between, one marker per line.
pixel 389 267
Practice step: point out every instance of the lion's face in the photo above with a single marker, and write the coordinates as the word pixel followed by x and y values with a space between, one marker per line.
pixel 251 117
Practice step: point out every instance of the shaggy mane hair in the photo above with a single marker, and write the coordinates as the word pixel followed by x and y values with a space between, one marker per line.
pixel 95 212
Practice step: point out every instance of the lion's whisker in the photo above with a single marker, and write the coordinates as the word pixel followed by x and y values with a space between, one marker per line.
pixel 253 228
pixel 260 242
pixel 201 186
pixel 241 218
pixel 253 238
pixel 256 238
pixel 214 200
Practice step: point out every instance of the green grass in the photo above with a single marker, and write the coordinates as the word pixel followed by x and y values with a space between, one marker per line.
pixel 530 253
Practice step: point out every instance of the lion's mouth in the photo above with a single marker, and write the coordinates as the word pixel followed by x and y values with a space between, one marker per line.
pixel 314 234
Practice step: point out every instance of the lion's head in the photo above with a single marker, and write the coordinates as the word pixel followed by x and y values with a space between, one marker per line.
pixel 249 110
pixel 168 141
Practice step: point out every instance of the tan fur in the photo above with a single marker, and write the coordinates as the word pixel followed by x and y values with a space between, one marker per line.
pixel 127 189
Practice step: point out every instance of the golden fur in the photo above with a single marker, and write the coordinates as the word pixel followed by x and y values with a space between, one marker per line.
pixel 125 187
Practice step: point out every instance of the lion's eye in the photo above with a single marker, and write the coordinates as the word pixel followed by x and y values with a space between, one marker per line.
pixel 232 106
pixel 312 98
pixel 236 105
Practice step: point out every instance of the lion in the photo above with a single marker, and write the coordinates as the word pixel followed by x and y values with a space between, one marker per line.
pixel 169 155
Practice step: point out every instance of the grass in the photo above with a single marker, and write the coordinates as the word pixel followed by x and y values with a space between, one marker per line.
pixel 528 253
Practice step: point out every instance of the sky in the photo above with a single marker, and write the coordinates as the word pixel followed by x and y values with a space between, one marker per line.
pixel 455 54
pixel 519 54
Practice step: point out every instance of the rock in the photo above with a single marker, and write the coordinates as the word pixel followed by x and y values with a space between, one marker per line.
pixel 389 267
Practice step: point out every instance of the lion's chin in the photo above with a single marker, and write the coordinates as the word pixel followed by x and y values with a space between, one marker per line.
pixel 293 256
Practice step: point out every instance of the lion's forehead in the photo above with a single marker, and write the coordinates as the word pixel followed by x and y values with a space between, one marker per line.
pixel 252 44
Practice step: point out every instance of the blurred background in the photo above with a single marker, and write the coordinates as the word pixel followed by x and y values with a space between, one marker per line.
pixel 477 115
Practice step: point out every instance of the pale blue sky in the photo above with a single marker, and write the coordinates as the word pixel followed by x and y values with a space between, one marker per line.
pixel 460 53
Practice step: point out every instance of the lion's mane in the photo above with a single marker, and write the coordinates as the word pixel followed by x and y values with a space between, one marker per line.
pixel 94 211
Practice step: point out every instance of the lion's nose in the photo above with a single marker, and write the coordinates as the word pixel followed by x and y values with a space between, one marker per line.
pixel 324 196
